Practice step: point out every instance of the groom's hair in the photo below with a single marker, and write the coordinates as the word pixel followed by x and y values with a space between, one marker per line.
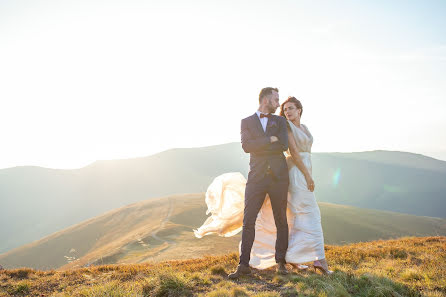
pixel 266 92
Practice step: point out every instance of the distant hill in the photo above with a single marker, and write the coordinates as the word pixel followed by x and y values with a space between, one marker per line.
pixel 36 202
pixel 404 159
pixel 161 229
pixel 395 181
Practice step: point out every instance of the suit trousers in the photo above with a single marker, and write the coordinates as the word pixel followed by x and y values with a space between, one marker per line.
pixel 255 194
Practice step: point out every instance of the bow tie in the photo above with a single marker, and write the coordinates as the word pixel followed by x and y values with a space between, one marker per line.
pixel 262 115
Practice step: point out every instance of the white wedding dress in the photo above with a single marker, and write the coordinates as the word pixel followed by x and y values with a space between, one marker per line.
pixel 225 201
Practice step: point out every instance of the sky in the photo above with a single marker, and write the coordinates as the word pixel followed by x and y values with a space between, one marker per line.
pixel 82 81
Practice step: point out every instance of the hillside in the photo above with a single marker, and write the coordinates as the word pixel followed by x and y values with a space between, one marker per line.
pixel 394 181
pixel 39 201
pixel 161 229
pixel 406 267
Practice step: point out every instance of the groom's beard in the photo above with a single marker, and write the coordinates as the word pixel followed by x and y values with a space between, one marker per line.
pixel 270 108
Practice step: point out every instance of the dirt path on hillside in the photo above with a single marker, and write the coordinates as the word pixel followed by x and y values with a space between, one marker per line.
pixel 168 244
pixel 163 223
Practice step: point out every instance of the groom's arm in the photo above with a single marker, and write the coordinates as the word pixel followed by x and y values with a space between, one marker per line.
pixel 282 144
pixel 251 144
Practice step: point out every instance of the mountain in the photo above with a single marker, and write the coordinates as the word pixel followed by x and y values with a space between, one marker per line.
pixel 36 202
pixel 161 229
pixel 395 181
pixel 404 159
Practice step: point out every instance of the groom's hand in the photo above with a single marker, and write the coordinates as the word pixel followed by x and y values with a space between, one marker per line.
pixel 273 139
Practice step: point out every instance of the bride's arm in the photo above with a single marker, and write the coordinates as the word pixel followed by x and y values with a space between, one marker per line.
pixel 298 161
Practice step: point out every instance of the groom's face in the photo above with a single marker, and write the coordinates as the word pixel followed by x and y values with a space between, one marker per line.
pixel 273 102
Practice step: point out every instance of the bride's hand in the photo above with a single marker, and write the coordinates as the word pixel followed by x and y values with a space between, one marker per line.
pixel 310 182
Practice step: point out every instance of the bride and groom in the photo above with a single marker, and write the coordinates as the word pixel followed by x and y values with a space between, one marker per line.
pixel 275 209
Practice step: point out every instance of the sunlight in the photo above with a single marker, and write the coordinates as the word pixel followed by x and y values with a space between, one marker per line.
pixel 87 81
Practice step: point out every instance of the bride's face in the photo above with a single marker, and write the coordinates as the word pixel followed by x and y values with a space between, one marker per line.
pixel 291 112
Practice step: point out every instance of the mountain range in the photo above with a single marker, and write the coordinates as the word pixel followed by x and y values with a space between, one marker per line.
pixel 36 202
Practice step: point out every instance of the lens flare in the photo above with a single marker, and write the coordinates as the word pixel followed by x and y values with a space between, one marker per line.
pixel 336 177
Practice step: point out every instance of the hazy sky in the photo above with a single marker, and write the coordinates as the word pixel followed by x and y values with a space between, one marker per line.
pixel 88 80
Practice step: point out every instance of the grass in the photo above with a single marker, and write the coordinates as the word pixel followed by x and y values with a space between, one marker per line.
pixel 406 267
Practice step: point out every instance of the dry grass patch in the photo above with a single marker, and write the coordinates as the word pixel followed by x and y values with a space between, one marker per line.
pixel 408 267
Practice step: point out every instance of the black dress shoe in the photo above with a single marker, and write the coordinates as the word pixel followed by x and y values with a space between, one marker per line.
pixel 281 269
pixel 241 270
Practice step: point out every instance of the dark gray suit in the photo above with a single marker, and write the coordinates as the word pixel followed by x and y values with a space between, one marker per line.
pixel 268 175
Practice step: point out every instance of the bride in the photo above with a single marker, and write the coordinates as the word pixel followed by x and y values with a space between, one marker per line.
pixel 225 200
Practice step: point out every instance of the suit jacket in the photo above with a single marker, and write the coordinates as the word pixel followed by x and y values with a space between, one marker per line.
pixel 263 153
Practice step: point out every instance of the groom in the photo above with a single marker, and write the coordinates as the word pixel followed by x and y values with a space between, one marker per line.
pixel 265 138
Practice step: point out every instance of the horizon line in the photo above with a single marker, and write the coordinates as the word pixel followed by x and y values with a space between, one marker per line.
pixel 209 146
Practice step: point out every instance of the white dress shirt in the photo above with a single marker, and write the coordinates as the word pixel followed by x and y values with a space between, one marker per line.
pixel 263 121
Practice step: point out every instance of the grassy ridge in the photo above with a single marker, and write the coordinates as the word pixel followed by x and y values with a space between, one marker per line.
pixel 403 267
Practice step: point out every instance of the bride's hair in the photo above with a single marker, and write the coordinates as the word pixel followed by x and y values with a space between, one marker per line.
pixel 292 100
